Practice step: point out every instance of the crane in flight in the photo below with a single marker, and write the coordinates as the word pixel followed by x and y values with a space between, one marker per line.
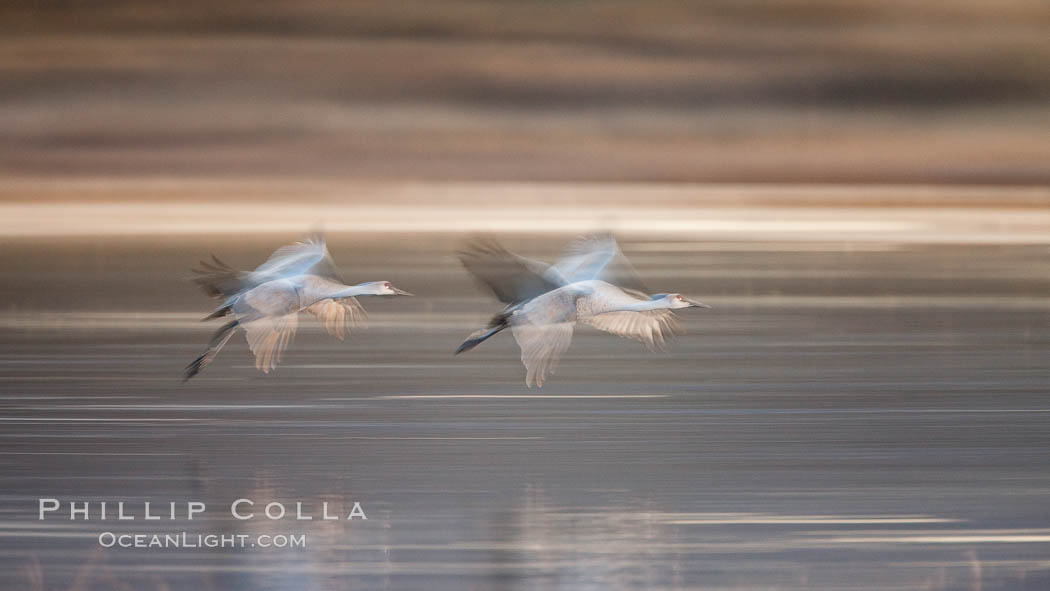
pixel 266 302
pixel 591 283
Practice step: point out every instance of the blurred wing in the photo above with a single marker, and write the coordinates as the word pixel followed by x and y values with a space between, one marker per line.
pixel 511 278
pixel 268 337
pixel 309 256
pixel 585 257
pixel 218 279
pixel 598 256
pixel 543 328
pixel 338 316
pixel 652 328
pixel 541 347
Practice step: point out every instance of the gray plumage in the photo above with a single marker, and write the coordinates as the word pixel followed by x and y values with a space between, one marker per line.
pixel 544 302
pixel 266 302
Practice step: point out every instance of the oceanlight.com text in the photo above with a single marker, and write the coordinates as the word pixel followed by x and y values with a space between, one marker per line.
pixel 185 540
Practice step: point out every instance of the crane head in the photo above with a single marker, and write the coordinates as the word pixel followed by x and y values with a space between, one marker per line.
pixel 385 288
pixel 677 300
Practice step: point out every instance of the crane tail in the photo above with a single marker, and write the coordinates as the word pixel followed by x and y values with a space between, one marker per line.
pixel 478 337
pixel 218 341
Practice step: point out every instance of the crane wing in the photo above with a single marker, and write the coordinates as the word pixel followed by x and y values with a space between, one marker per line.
pixel 268 336
pixel 585 257
pixel 218 279
pixel 308 256
pixel 543 329
pixel 598 256
pixel 542 346
pixel 511 278
pixel 653 328
pixel 338 316
pixel 650 327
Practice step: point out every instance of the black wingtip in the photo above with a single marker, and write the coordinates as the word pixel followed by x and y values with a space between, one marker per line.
pixel 193 368
pixel 218 313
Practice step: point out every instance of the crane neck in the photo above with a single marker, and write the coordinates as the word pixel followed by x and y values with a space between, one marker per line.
pixel 645 306
pixel 315 293
pixel 355 290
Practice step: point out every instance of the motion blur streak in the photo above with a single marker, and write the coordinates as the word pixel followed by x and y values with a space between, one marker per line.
pixel 863 91
pixel 858 188
pixel 871 417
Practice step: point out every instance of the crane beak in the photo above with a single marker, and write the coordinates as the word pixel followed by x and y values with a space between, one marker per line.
pixel 696 304
pixel 400 291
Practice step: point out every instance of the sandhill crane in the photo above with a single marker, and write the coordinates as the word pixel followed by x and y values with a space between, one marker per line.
pixel 591 283
pixel 299 277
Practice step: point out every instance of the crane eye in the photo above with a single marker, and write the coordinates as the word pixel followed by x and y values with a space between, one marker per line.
pixel 680 298
pixel 387 285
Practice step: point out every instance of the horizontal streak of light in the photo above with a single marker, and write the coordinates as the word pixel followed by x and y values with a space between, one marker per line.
pixel 808 520
pixel 712 246
pixel 708 412
pixel 250 185
pixel 72 397
pixel 176 218
pixel 39 534
pixel 1019 563
pixel 189 322
pixel 93 420
pixel 176 407
pixel 804 214
pixel 373 366
pixel 848 533
pixel 944 539
pixel 501 396
pixel 84 453
pixel 450 438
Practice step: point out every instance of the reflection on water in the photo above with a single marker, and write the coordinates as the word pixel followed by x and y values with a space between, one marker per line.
pixel 841 416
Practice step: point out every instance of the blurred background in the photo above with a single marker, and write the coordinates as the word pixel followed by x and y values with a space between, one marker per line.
pixel 860 189
pixel 717 91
